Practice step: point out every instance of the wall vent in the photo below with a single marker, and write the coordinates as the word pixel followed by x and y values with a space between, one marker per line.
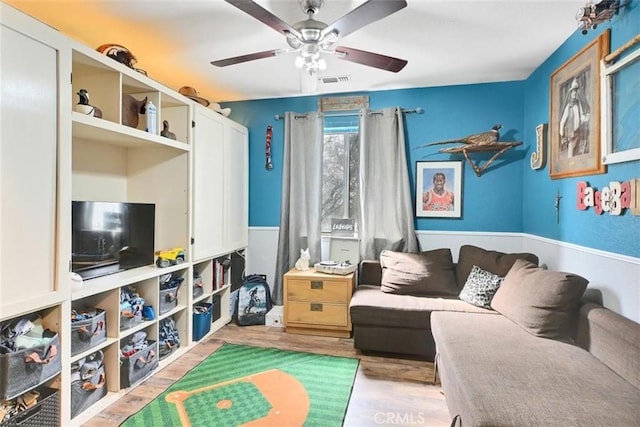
pixel 336 79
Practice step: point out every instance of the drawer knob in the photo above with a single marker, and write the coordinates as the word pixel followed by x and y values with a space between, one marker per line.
pixel 316 307
pixel 316 284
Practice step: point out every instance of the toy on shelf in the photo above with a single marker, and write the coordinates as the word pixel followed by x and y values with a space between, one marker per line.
pixel 169 257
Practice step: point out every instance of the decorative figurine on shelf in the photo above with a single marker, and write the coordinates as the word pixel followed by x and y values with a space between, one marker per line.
pixel 169 257
pixel 131 107
pixel 303 262
pixel 84 107
pixel 166 132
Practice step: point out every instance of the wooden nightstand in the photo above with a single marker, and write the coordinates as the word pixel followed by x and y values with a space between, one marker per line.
pixel 317 303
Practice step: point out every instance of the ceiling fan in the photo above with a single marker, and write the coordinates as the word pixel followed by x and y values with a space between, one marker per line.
pixel 310 37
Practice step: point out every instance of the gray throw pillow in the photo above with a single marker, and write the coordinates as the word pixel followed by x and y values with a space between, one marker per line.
pixel 425 273
pixel 480 287
pixel 541 301
pixel 492 261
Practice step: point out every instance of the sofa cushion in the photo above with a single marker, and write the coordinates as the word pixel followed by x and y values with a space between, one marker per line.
pixel 480 287
pixel 424 273
pixel 369 306
pixel 541 301
pixel 495 262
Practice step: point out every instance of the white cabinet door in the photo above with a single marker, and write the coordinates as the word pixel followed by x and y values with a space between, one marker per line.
pixel 208 184
pixel 29 178
pixel 236 188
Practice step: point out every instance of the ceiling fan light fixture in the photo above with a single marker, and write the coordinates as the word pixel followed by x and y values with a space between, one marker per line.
pixel 328 40
pixel 310 62
pixel 293 41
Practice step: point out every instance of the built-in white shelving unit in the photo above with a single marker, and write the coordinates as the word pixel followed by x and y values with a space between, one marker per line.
pixel 197 182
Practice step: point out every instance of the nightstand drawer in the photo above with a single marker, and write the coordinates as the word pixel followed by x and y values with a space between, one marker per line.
pixel 318 290
pixel 313 313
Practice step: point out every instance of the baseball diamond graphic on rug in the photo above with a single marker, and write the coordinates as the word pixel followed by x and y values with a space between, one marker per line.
pixel 253 386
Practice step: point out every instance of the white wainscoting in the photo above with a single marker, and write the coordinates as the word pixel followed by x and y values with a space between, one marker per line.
pixel 616 276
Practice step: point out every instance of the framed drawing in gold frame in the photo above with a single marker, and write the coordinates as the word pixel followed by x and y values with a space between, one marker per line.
pixel 574 115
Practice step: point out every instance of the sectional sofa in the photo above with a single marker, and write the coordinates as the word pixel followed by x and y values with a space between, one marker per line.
pixel 396 317
pixel 518 346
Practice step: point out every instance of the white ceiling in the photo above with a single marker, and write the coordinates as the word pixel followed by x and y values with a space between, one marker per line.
pixel 445 42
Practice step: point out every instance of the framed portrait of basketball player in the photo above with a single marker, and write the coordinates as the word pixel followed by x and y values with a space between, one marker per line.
pixel 439 189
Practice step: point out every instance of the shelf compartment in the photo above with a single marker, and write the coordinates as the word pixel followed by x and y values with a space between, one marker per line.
pixel 205 270
pixel 147 290
pixel 44 360
pixel 136 367
pixel 88 333
pixel 44 413
pixel 16 379
pixel 176 336
pixel 101 82
pixel 202 320
pixel 172 297
pixel 88 382
pixel 177 114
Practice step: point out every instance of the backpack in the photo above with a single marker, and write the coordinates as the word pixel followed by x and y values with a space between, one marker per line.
pixel 254 300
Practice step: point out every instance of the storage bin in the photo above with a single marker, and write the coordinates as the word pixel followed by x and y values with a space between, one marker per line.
pixel 45 413
pixel 130 322
pixel 139 365
pixel 88 333
pixel 198 285
pixel 169 299
pixel 25 369
pixel 168 337
pixel 131 307
pixel 201 321
pixel 198 290
pixel 88 382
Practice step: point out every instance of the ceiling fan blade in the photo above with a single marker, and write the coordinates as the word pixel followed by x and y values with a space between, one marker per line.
pixel 371 59
pixel 366 13
pixel 263 15
pixel 245 58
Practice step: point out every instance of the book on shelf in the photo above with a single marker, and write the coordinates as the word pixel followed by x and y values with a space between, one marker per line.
pixel 222 273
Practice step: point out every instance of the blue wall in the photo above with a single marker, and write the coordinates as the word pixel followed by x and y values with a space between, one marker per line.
pixel 509 196
pixel 618 234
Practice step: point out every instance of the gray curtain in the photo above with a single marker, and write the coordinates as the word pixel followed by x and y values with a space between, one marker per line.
pixel 301 194
pixel 386 206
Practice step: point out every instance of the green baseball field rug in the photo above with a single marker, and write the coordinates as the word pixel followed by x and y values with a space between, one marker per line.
pixel 240 385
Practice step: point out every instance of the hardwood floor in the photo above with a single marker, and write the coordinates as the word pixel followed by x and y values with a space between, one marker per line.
pixel 387 391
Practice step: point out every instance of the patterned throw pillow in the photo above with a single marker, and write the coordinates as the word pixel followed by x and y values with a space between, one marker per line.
pixel 480 287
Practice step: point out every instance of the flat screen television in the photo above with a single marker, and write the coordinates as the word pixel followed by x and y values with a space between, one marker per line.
pixel 109 237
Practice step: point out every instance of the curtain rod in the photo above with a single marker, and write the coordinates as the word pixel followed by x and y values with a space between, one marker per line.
pixel 417 110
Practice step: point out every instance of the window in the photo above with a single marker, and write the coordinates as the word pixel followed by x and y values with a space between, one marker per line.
pixel 341 154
